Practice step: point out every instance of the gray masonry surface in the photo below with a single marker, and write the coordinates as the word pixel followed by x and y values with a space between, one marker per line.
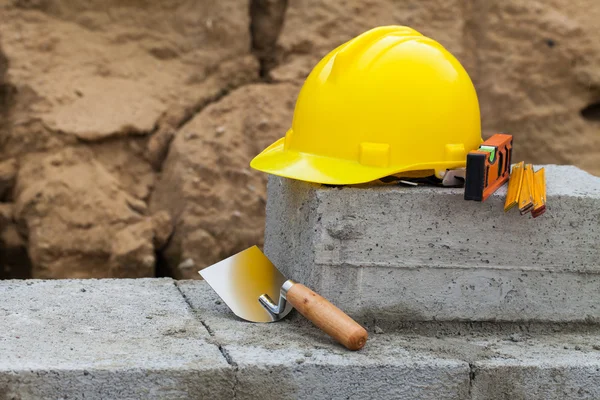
pixel 393 254
pixel 160 339
pixel 105 339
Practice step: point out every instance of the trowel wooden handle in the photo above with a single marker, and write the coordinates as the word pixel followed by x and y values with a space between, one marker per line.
pixel 328 317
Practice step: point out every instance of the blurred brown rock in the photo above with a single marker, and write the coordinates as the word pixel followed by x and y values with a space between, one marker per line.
pixel 125 159
pixel 97 69
pixel 96 89
pixel 266 21
pixel 127 128
pixel 535 64
pixel 162 228
pixel 77 219
pixel 538 77
pixel 6 214
pixel 8 172
pixel 14 261
pixel 312 28
pixel 217 200
pixel 3 67
pixel 133 252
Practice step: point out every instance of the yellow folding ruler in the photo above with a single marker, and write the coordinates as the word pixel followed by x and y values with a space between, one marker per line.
pixel 526 189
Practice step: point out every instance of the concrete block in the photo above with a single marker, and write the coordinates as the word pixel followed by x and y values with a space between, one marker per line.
pixel 292 359
pixel 394 253
pixel 553 367
pixel 151 339
pixel 105 339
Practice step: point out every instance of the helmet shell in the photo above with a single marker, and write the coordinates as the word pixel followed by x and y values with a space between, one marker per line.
pixel 388 101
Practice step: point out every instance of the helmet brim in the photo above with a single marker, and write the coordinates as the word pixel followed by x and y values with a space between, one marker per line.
pixel 314 168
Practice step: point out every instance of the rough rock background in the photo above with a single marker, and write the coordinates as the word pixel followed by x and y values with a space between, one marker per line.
pixel 207 183
pixel 127 128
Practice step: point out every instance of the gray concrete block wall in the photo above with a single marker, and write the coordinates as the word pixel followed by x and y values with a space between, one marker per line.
pixel 102 339
pixel 423 253
pixel 509 380
pixel 292 359
pixel 543 369
pixel 145 339
pixel 291 219
pixel 160 339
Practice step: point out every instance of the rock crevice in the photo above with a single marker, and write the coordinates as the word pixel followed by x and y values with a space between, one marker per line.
pixel 266 21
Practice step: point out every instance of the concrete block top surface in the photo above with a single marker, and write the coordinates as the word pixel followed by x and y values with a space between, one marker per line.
pixel 108 324
pixel 561 180
pixel 289 339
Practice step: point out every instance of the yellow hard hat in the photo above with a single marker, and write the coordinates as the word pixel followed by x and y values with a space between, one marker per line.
pixel 388 101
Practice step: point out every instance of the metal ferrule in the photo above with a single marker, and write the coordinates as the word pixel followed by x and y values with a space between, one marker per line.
pixel 275 309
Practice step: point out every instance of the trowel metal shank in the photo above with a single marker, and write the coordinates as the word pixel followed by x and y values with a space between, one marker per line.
pixel 278 310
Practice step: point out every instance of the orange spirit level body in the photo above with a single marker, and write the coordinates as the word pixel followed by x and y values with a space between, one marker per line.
pixel 488 167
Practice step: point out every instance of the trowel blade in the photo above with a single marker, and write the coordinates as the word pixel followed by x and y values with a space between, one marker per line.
pixel 240 279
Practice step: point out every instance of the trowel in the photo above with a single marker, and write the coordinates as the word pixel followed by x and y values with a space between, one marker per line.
pixel 248 282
